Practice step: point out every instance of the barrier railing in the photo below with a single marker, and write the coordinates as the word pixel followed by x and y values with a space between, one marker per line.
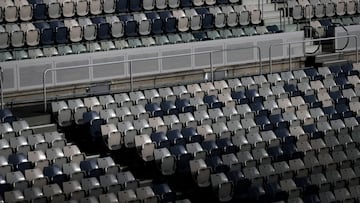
pixel 131 78
pixel 311 40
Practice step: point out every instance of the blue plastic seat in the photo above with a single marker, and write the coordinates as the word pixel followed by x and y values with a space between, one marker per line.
pixel 290 88
pixel 241 184
pixel 164 192
pixel 347 67
pixel 341 108
pixel 175 137
pixel 20 162
pixel 200 36
pixel 273 29
pixel 91 167
pixel 311 72
pixel 7 116
pixel 276 153
pixel 39 10
pixel 226 146
pixel 191 135
pixel 262 120
pixel 222 2
pixel 329 110
pixel 274 192
pixel 302 182
pixel 239 97
pixel 103 28
pixel 335 69
pixel 169 107
pixel 211 147
pixel 216 164
pixel 122 6
pixel 184 105
pixel 55 174
pixel 60 32
pixel 131 27
pixel 156 22
pixel 256 106
pixel 170 22
pixel 212 101
pixel 154 109
pixel 4 187
pixel 186 3
pixel 207 18
pixel 93 120
pixel 325 22
pixel 282 132
pixel 46 36
pixel 135 5
pixel 251 93
pixel 160 139
pixel 341 80
pixel 335 95
pixel 182 157
pixel 310 129
pixel 276 118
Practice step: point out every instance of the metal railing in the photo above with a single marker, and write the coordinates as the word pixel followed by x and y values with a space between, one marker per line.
pixel 131 77
pixel 311 40
pixel 1 85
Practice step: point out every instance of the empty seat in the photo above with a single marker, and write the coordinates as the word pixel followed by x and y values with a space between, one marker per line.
pixel 222 186
pixel 103 28
pixel 89 28
pixel 220 17
pixel 170 22
pixel 10 11
pixel 24 9
pixel 17 36
pixel 207 18
pixel 183 22
pixel 75 30
pixel 195 19
pixel 60 32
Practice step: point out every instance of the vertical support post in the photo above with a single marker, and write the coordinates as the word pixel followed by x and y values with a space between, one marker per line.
pixel 44 91
pixel 131 77
pixel 290 57
pixel 2 89
pixel 211 67
pixel 260 60
pixel 357 50
pixel 259 4
pixel 270 59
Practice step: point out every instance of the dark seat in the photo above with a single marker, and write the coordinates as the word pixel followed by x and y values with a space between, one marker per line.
pixel 212 101
pixel 184 105
pixel 7 116
pixel 207 18
pixel 60 32
pixel 91 167
pixel 226 146
pixel 156 22
pixel 122 6
pixel 55 174
pixel 46 33
pixel 103 28
pixel 154 109
pixel 170 22
pixel 216 164
pixel 169 107
pixel 160 139
pixel 164 192
pixel 175 137
pixel 135 5
pixel 39 10
pixel 211 147
pixel 186 3
pixel 191 135
pixel 182 157
pixel 131 27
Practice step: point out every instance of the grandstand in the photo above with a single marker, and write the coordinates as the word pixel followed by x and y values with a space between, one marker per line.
pixel 116 101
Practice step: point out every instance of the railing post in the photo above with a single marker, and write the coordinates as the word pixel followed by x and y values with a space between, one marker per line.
pixel 131 77
pixel 2 89
pixel 211 68
pixel 260 60
pixel 270 59
pixel 44 90
pixel 290 57
pixel 357 50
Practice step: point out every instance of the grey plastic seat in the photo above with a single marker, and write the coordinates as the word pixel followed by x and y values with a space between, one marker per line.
pixel 22 127
pixel 35 194
pixel 19 144
pixel 54 192
pixel 108 198
pixel 75 30
pixel 231 15
pixel 145 147
pixel 196 150
pixel 200 172
pixel 55 139
pixel 89 29
pixel 165 160
pixel 73 170
pixel 10 11
pixel 92 186
pixel 244 16
pixel 188 119
pixel 222 186
pixel 172 122
pixel 148 41
pixel 17 179
pixel 56 155
pixel 38 158
pixel 14 196
pixel 73 189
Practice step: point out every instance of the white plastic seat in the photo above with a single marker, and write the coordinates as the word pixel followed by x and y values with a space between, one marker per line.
pixel 165 160
pixel 24 9
pixel 198 2
pixel 330 9
pixel 124 114
pixel 73 189
pixel 73 170
pixel 36 177
pixel 10 11
pixel 196 150
pixel 55 139
pixel 144 23
pixel 146 194
pixel 127 196
pixel 183 22
pixel 54 9
pixel 92 186
pixel 145 147
pixel 89 29
pixel 4 38
pixel 75 30
pixel 96 6
pixel 200 172
pixel 68 8
pixel 14 196
pixel 173 3
pixel 17 179
pixel 110 182
pixel 20 144
pixel 210 2
pixel 32 34
pixel 22 127
pixel 127 180
pixel 112 136
pixel 17 36
pixel 54 192
pixel 220 17
pixel 82 7
pixel 231 16
pixel 173 122
pixel 56 155
pixel 222 186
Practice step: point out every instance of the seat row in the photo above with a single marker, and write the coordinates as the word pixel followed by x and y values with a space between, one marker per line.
pixel 88 29
pixel 304 9
pixel 25 10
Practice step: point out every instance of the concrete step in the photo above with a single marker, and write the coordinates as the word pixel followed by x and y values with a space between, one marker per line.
pixel 323 58
pixel 40 129
pixel 335 62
